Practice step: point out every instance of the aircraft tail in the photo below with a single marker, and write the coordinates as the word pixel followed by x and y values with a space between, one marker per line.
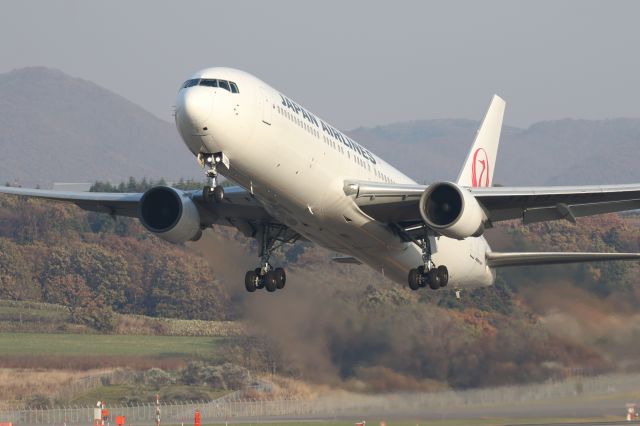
pixel 480 163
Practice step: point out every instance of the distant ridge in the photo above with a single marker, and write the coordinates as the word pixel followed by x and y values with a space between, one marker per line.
pixel 54 127
pixel 561 152
pixel 57 128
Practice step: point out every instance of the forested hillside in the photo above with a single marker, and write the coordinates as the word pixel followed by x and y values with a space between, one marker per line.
pixel 56 253
pixel 339 323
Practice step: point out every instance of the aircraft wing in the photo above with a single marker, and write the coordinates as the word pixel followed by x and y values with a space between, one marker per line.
pixel 238 209
pixel 392 203
pixel 498 260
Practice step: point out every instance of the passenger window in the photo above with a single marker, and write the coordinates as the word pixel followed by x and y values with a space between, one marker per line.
pixel 224 85
pixel 209 82
pixel 234 88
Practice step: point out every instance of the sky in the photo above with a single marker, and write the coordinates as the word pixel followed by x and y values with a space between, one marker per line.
pixel 353 63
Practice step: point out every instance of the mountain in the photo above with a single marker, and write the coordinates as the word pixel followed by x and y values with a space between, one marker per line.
pixel 561 152
pixel 54 127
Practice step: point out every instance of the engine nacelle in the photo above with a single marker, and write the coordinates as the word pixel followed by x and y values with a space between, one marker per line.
pixel 452 211
pixel 170 214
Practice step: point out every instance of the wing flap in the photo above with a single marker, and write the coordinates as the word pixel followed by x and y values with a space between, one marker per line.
pixel 394 203
pixel 238 209
pixel 499 260
pixel 121 204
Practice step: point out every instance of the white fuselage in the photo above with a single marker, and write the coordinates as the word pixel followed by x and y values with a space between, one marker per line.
pixel 296 164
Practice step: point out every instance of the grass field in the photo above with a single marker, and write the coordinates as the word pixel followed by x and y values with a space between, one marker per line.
pixel 28 344
pixel 127 394
pixel 12 313
pixel 91 351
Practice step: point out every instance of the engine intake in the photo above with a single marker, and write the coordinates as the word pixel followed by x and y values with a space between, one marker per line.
pixel 170 214
pixel 452 211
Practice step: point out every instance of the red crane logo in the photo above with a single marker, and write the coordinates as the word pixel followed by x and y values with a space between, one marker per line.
pixel 480 169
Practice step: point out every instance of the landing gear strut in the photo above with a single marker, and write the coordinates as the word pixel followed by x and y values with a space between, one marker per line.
pixel 428 273
pixel 271 236
pixel 212 191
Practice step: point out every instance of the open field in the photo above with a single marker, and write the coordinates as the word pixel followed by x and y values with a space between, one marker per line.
pixel 28 344
pixel 12 313
pixel 90 351
pixel 36 317
pixel 128 394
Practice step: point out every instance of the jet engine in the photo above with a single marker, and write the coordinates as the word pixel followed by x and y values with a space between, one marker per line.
pixel 170 214
pixel 452 211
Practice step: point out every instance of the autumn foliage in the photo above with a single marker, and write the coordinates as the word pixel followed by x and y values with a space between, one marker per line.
pixel 338 323
pixel 55 253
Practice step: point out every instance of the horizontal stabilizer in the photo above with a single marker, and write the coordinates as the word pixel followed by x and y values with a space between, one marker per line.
pixel 498 260
pixel 346 259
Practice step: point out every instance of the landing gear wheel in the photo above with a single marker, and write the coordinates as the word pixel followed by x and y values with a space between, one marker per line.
pixel 250 280
pixel 210 193
pixel 443 274
pixel 434 279
pixel 270 282
pixel 218 194
pixel 414 279
pixel 207 193
pixel 281 278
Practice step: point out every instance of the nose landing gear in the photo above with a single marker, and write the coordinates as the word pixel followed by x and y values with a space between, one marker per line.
pixel 213 191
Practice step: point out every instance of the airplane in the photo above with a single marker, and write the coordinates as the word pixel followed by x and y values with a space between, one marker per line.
pixel 300 178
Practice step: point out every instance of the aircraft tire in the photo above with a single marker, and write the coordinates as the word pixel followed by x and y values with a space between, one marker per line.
pixel 250 279
pixel 443 274
pixel 207 193
pixel 414 279
pixel 270 282
pixel 218 194
pixel 434 279
pixel 281 278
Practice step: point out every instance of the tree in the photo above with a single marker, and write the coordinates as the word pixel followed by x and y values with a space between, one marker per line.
pixel 183 288
pixel 72 292
pixel 16 281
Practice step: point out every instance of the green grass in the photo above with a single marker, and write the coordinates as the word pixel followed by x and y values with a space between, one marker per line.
pixel 123 394
pixel 15 313
pixel 29 344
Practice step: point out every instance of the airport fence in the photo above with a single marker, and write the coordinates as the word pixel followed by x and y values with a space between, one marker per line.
pixel 232 407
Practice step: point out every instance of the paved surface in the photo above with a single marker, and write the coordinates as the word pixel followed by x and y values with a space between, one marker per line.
pixel 579 424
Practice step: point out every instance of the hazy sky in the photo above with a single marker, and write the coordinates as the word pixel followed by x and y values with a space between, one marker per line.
pixel 352 62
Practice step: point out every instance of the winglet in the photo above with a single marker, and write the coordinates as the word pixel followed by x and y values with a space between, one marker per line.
pixel 480 163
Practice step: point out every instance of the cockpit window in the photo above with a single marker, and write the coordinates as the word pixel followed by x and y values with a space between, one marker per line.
pixel 212 82
pixel 189 83
pixel 209 82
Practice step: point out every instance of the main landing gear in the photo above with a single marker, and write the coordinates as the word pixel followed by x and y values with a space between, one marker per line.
pixel 212 191
pixel 428 274
pixel 266 276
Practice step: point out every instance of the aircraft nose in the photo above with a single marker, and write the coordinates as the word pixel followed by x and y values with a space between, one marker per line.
pixel 194 107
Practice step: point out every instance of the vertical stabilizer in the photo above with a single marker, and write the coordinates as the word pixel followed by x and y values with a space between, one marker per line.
pixel 481 161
